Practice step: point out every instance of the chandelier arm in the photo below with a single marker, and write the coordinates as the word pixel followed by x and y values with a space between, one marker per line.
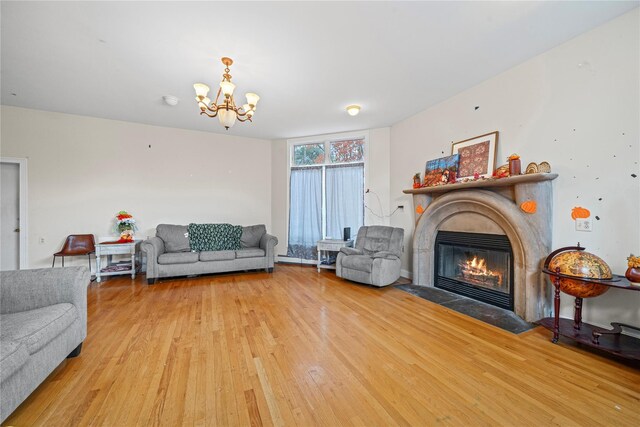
pixel 232 104
pixel 240 119
pixel 215 102
pixel 215 113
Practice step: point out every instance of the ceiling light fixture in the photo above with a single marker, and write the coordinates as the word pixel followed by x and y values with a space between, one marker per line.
pixel 353 110
pixel 226 109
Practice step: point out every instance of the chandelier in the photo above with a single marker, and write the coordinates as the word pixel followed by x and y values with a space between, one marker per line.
pixel 226 109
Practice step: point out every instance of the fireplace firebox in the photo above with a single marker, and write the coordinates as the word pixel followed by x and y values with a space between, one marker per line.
pixel 475 265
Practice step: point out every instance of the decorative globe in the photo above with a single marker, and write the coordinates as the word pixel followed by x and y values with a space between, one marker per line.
pixel 581 264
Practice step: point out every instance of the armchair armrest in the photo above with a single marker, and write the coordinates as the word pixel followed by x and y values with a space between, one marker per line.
pixel 24 290
pixel 351 251
pixel 385 255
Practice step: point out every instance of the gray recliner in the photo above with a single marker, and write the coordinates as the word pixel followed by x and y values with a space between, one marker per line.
pixel 375 259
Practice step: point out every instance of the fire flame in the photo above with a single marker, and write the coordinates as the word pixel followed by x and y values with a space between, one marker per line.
pixel 477 269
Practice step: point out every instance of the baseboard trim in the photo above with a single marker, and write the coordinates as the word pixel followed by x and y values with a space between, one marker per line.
pixel 290 260
pixel 406 274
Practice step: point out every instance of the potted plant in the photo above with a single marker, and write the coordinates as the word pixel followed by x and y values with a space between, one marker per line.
pixel 633 272
pixel 126 226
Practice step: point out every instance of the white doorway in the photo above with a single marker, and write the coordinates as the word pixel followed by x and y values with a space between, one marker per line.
pixel 13 210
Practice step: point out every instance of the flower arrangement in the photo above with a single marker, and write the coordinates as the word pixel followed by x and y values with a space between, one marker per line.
pixel 125 225
pixel 633 261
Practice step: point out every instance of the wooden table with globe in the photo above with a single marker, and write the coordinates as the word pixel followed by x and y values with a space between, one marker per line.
pixel 584 275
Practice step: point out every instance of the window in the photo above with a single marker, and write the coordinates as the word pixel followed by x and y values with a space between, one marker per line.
pixel 326 192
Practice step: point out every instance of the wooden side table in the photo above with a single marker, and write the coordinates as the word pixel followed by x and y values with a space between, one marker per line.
pixel 110 249
pixel 331 245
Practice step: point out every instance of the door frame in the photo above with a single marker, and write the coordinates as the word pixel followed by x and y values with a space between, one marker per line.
pixel 24 233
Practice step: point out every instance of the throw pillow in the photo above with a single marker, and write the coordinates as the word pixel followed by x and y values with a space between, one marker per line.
pixel 174 237
pixel 251 235
pixel 214 237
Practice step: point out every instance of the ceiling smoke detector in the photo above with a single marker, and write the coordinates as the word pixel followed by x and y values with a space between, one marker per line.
pixel 170 100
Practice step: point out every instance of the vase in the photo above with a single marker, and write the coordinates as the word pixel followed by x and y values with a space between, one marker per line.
pixel 633 275
pixel 126 235
pixel 514 167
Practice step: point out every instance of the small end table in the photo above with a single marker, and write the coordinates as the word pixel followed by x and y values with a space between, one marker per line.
pixel 331 245
pixel 110 249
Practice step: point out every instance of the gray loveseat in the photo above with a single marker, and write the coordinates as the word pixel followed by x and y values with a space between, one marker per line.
pixel 169 254
pixel 43 320
pixel 375 260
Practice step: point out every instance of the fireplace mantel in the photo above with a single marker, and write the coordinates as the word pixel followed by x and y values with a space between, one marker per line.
pixel 485 183
pixel 496 201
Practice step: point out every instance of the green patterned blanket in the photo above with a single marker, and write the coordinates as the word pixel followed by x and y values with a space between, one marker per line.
pixel 214 237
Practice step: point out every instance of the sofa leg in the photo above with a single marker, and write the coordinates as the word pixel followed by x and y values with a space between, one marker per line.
pixel 75 352
pixel 151 281
pixel 270 270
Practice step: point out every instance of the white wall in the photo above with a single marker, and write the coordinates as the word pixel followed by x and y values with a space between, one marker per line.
pixel 279 193
pixel 576 106
pixel 376 179
pixel 83 170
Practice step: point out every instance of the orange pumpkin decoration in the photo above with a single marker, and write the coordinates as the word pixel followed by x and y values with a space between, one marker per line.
pixel 580 212
pixel 529 206
pixel 420 210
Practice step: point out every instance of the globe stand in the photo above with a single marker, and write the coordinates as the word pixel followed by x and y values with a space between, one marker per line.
pixel 608 340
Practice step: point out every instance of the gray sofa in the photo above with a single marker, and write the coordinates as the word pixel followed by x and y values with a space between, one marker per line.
pixel 43 319
pixel 169 255
pixel 375 260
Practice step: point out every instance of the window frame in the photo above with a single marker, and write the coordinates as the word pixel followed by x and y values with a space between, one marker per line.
pixel 326 140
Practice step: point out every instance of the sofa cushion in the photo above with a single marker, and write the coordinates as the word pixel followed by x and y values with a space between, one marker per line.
pixel 251 235
pixel 358 262
pixel 36 328
pixel 178 258
pixel 217 255
pixel 250 253
pixel 175 237
pixel 13 355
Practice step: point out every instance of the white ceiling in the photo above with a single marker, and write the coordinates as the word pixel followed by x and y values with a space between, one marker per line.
pixel 307 60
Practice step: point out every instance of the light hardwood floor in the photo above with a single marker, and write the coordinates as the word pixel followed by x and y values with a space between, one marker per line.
pixel 301 348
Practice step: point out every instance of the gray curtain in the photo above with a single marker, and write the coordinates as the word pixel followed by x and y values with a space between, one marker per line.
pixel 345 199
pixel 305 212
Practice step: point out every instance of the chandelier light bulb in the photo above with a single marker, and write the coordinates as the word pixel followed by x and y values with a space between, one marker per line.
pixel 353 110
pixel 201 90
pixel 227 88
pixel 247 109
pixel 252 99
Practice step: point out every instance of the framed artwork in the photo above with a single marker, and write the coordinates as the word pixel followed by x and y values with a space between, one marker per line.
pixel 441 171
pixel 477 155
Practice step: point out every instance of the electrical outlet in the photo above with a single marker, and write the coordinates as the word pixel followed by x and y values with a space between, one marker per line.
pixel 42 240
pixel 584 224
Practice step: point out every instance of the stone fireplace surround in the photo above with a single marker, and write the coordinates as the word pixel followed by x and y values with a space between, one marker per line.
pixel 492 206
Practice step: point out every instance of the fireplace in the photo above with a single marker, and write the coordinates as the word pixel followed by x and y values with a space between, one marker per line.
pixel 489 206
pixel 476 265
